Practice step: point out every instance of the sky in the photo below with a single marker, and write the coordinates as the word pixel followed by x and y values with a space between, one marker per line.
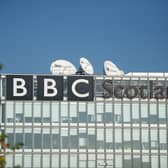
pixel 131 33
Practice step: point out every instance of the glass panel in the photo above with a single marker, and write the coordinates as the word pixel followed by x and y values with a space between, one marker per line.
pixel 163 142
pixel 135 113
pixel 28 112
pixel 46 160
pixel 163 161
pixel 64 161
pixel 18 159
pixel 127 139
pixel 145 139
pixel 136 161
pixel 37 138
pixel 117 113
pixel 37 112
pixel 73 112
pixel 64 138
pixel 100 107
pixel 91 112
pixel 126 113
pixel 91 161
pixel 109 138
pixel 100 138
pixel 19 135
pixel 118 161
pixel 55 160
pixel 154 140
pixel 55 138
pixel 10 111
pixel 27 161
pixel 118 139
pixel 55 112
pixel 64 112
pixel 28 138
pixel 82 107
pixel 46 138
pixel 91 138
pixel 109 161
pixel 9 160
pixel 73 160
pixel 46 112
pixel 100 160
pixel 145 161
pixel 73 138
pixel 127 161
pixel 82 160
pixel 154 161
pixel 37 161
pixel 19 112
pixel 153 114
pixel 162 114
pixel 82 138
pixel 10 134
pixel 144 113
pixel 136 138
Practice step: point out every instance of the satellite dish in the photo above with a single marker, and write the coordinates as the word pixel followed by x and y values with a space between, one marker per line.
pixel 62 67
pixel 110 69
pixel 85 67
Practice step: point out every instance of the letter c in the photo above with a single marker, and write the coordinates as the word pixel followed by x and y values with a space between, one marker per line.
pixel 81 95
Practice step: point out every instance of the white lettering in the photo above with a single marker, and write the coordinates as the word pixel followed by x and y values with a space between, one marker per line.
pixel 17 86
pixel 82 95
pixel 51 87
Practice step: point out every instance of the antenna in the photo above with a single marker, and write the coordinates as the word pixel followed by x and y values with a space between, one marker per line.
pixel 62 67
pixel 85 68
pixel 110 69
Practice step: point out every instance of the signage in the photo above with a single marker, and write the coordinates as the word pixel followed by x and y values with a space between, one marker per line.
pixel 152 90
pixel 80 88
pixel 49 87
pixel 19 87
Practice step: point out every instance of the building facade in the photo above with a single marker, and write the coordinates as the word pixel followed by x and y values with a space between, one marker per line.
pixel 125 125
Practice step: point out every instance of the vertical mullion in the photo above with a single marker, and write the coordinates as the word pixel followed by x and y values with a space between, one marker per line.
pixel 140 129
pixel 166 111
pixel 105 157
pixel 50 109
pixel 32 134
pixel 68 106
pixel 132 139
pixel 23 128
pixel 5 119
pixel 41 107
pixel 14 130
pixel 113 102
pixel 95 111
pixel 149 128
pixel 104 130
pixel 158 131
pixel 60 139
pixel 78 133
pixel 86 107
pixel 122 130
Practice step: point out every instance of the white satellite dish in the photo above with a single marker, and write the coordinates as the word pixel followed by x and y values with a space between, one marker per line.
pixel 85 67
pixel 110 69
pixel 62 67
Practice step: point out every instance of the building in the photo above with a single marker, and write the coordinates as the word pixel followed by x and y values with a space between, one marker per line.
pixel 123 124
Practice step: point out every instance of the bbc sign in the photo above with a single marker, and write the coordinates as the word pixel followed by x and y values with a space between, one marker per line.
pixel 21 87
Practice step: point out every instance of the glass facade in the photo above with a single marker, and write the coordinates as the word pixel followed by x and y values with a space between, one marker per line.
pixel 104 133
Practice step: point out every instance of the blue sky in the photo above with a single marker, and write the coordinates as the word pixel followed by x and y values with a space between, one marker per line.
pixel 131 33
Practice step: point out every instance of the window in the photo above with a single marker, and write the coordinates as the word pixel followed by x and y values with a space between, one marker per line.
pixel 55 112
